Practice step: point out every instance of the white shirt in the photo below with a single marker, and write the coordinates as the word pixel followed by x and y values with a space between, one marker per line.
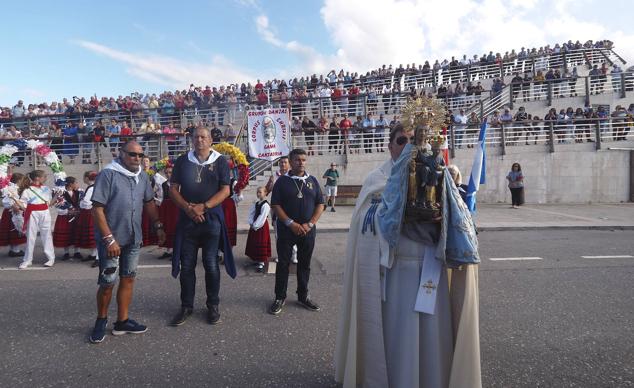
pixel 36 195
pixel 86 201
pixel 262 218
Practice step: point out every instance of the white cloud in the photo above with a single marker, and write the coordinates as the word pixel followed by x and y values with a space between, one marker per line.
pixel 172 72
pixel 369 34
pixel 265 31
pixel 311 60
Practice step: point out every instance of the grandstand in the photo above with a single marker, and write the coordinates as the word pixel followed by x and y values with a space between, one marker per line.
pixel 587 76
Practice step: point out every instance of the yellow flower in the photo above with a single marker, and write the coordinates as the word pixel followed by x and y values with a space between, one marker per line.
pixel 233 151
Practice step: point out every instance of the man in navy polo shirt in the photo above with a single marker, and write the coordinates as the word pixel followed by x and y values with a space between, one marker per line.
pixel 298 203
pixel 200 182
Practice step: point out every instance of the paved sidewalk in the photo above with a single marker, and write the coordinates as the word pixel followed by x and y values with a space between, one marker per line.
pixel 503 217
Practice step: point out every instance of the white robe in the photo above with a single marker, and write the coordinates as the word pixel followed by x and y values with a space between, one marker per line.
pixel 388 344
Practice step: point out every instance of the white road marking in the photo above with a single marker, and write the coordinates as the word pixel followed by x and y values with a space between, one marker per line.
pixel 514 258
pixel 25 269
pixel 609 257
pixel 155 266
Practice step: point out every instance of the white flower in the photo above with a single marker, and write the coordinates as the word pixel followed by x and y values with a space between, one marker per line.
pixel 50 158
pixel 32 143
pixel 8 149
pixel 59 175
pixel 3 170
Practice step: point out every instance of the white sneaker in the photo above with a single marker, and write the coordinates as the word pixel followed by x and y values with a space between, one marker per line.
pixel 49 263
pixel 294 259
pixel 24 265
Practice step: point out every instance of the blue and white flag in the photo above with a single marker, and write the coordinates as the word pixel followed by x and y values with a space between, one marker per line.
pixel 478 171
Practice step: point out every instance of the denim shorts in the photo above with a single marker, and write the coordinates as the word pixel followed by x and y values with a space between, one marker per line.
pixel 126 264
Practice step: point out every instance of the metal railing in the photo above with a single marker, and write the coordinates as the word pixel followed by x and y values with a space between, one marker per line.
pixel 552 134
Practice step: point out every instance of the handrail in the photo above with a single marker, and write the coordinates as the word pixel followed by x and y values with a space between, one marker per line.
pixel 323 104
pixel 468 68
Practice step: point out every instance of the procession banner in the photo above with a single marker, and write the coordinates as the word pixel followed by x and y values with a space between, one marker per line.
pixel 269 133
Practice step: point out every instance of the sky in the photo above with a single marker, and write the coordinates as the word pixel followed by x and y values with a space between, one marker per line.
pixel 57 49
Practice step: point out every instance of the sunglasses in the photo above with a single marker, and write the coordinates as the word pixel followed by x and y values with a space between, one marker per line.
pixel 135 154
pixel 401 140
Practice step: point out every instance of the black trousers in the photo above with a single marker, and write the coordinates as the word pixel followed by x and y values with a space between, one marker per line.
pixel 305 246
pixel 517 196
pixel 207 236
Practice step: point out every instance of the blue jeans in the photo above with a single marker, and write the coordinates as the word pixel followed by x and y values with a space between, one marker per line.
pixel 207 236
pixel 126 264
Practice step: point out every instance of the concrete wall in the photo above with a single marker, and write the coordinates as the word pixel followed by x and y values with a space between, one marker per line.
pixel 575 173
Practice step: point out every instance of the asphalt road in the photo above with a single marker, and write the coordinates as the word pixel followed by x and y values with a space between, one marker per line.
pixel 555 319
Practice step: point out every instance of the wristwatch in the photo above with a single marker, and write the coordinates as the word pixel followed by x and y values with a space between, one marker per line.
pixel 158 225
pixel 311 225
pixel 288 222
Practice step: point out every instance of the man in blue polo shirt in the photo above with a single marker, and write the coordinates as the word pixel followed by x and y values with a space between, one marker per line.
pixel 298 203
pixel 200 182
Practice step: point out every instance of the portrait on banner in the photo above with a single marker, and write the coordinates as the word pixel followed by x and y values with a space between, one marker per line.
pixel 269 133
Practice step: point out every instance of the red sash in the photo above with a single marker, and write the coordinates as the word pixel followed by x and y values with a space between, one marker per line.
pixel 32 208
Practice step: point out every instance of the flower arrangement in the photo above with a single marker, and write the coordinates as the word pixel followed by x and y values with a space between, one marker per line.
pixel 240 160
pixel 160 165
pixel 50 158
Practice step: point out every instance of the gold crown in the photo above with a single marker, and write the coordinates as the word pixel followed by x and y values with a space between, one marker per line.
pixel 424 112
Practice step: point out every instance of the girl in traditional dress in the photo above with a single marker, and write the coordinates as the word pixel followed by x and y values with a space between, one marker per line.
pixel 65 231
pixel 36 199
pixel 168 213
pixel 259 240
pixel 85 224
pixel 11 231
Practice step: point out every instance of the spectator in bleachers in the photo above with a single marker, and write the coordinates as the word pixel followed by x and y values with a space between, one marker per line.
pixel 345 126
pixel 619 123
pixel 216 133
pixel 615 74
pixel 580 125
pixel 379 133
pixel 113 132
pixel 572 76
pixel 18 110
pixel 309 128
pixel 538 82
pixel 321 136
pixel 355 135
pixel 368 133
pixel 516 86
pixel 519 125
pixel 473 125
pixel 460 125
pixel 595 75
pixel 297 132
pixel 333 135
pixel 71 148
pixel 603 115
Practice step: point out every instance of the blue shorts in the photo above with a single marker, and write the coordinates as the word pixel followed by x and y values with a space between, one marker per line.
pixel 126 264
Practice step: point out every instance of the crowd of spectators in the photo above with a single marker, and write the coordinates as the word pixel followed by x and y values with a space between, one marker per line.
pixel 335 98
pixel 233 97
pixel 569 125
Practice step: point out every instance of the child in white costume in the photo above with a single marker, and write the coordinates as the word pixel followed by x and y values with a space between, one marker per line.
pixel 36 199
